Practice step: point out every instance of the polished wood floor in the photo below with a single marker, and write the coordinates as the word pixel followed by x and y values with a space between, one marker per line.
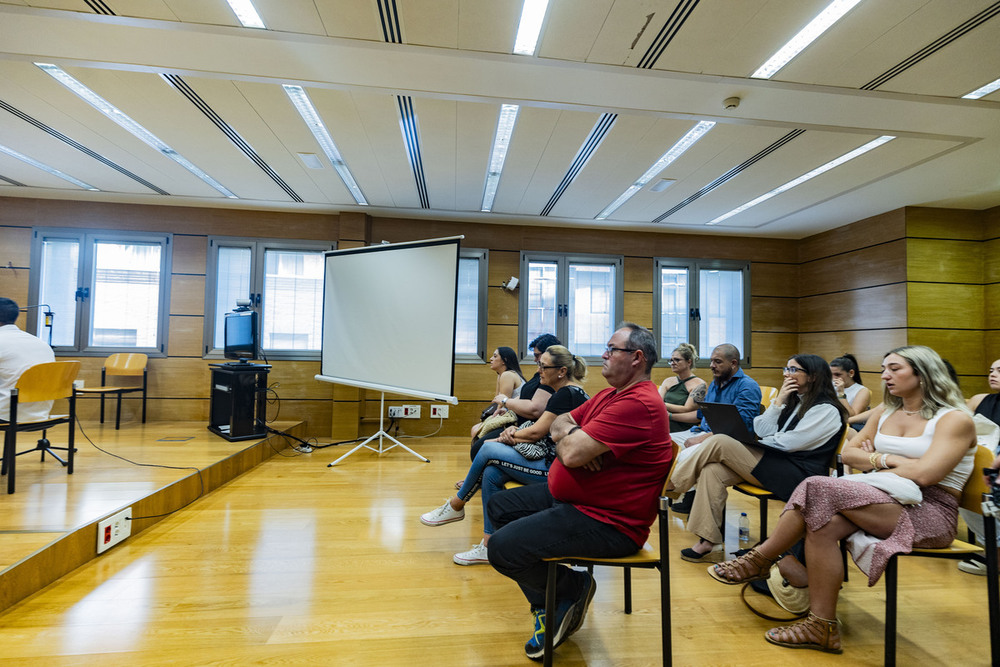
pixel 296 563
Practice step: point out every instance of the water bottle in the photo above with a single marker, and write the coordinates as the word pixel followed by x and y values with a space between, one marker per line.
pixel 744 527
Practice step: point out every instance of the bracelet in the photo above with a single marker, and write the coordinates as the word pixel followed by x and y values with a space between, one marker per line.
pixel 504 402
pixel 883 462
pixel 844 396
pixel 873 460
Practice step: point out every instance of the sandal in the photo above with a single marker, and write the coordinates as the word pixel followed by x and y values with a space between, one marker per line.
pixel 814 632
pixel 751 566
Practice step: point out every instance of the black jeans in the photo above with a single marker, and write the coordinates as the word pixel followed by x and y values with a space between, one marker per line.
pixel 531 526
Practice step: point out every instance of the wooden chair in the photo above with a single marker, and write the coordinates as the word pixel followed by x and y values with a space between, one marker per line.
pixel 763 495
pixel 972 500
pixel 767 395
pixel 122 364
pixel 647 557
pixel 42 382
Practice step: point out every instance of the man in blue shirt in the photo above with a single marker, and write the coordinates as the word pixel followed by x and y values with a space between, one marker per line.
pixel 729 385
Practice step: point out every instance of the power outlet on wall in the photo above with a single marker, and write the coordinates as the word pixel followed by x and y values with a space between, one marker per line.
pixel 411 412
pixel 396 412
pixel 439 412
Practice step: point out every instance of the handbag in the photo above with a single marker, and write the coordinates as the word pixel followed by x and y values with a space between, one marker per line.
pixel 533 451
pixel 496 421
pixel 793 600
pixel 904 491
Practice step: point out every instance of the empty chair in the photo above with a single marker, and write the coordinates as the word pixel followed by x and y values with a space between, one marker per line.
pixel 121 364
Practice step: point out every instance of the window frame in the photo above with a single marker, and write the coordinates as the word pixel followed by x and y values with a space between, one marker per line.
pixel 87 239
pixel 483 255
pixel 694 268
pixel 564 261
pixel 258 247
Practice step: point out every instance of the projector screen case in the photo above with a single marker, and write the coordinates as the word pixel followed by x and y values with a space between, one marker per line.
pixel 389 318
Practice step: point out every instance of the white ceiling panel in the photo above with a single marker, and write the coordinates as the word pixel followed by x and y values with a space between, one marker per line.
pixel 456 67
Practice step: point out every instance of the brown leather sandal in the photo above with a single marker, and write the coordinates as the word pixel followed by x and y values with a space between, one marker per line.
pixel 751 566
pixel 821 634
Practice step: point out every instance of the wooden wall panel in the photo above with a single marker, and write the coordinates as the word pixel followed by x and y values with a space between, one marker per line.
pixel 944 223
pixel 881 264
pixel 187 295
pixel 15 248
pixel 478 382
pixel 963 349
pixel 297 379
pixel 868 345
pixel 186 336
pixel 502 306
pixel 868 232
pixel 638 308
pixel 639 274
pixel 873 308
pixel 773 314
pixel 773 279
pixel 190 254
pixel 945 306
pixel 503 265
pixel 991 312
pixel 14 285
pixel 500 335
pixel 772 350
pixel 944 261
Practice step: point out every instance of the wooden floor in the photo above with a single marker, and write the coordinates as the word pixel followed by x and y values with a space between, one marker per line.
pixel 296 563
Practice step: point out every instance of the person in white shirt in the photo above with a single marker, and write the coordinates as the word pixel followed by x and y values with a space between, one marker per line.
pixel 19 351
pixel 800 432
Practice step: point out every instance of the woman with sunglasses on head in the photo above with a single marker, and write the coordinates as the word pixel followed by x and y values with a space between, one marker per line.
pixel 522 454
pixel 799 432
pixel 682 392
pixel 923 433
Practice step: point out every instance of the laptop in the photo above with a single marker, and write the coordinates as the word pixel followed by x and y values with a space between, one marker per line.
pixel 725 418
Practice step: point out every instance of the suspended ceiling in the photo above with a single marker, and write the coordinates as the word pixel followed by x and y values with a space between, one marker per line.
pixel 642 71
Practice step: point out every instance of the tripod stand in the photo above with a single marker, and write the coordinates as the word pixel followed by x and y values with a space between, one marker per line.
pixel 380 435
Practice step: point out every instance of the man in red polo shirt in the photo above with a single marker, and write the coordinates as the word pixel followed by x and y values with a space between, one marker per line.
pixel 613 455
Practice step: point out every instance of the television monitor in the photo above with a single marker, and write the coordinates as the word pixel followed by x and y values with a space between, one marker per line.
pixel 241 335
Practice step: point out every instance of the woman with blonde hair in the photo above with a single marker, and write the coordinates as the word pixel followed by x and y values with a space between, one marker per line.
pixel 923 433
pixel 684 389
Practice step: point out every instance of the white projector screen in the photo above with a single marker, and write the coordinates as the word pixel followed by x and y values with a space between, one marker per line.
pixel 389 318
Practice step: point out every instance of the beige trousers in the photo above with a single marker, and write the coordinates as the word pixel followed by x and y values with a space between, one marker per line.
pixel 716 464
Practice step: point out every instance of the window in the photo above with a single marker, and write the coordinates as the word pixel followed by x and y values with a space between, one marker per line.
pixel 470 317
pixel 703 302
pixel 107 291
pixel 283 281
pixel 576 297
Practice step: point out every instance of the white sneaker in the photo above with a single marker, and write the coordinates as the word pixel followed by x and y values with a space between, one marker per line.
pixel 972 566
pixel 442 515
pixel 474 556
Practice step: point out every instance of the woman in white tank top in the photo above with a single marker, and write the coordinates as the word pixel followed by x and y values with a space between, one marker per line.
pixel 924 432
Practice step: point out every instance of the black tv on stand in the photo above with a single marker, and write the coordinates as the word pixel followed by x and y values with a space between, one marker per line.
pixel 241 336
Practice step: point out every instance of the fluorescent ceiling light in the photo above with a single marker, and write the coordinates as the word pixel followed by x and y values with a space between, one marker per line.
pixel 826 18
pixel 118 116
pixel 505 127
pixel 983 91
pixel 871 145
pixel 298 96
pixel 685 142
pixel 246 13
pixel 46 168
pixel 532 16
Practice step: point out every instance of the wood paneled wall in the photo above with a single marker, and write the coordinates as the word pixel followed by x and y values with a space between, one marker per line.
pixel 916 275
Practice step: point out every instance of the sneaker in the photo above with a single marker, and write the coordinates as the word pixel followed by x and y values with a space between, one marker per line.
pixel 973 566
pixel 565 614
pixel 474 556
pixel 442 515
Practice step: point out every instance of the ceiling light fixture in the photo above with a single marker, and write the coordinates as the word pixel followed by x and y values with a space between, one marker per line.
pixel 861 150
pixel 530 26
pixel 246 13
pixel 983 91
pixel 826 18
pixel 298 96
pixel 118 116
pixel 46 168
pixel 505 128
pixel 685 142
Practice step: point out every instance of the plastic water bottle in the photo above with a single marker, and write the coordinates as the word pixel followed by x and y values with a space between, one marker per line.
pixel 744 527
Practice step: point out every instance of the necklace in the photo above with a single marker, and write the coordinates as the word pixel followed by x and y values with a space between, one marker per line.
pixel 910 412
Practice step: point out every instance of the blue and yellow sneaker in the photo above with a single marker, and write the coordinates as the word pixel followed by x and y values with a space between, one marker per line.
pixel 565 616
pixel 535 648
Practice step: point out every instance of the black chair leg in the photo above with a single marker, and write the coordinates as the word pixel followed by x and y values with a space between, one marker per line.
pixel 550 613
pixel 992 592
pixel 628 590
pixel 118 414
pixel 102 407
pixel 763 519
pixel 889 659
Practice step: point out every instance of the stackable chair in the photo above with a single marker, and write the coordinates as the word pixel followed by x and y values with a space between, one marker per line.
pixel 122 364
pixel 767 395
pixel 647 557
pixel 973 496
pixel 42 382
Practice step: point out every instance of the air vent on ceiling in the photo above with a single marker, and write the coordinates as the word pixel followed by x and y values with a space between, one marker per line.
pixel 389 16
pixel 590 145
pixel 411 139
pixel 667 33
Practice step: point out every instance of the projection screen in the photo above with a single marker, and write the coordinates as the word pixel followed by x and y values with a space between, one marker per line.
pixel 389 318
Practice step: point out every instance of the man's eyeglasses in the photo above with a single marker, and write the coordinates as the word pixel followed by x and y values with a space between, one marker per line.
pixel 611 350
pixel 792 370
